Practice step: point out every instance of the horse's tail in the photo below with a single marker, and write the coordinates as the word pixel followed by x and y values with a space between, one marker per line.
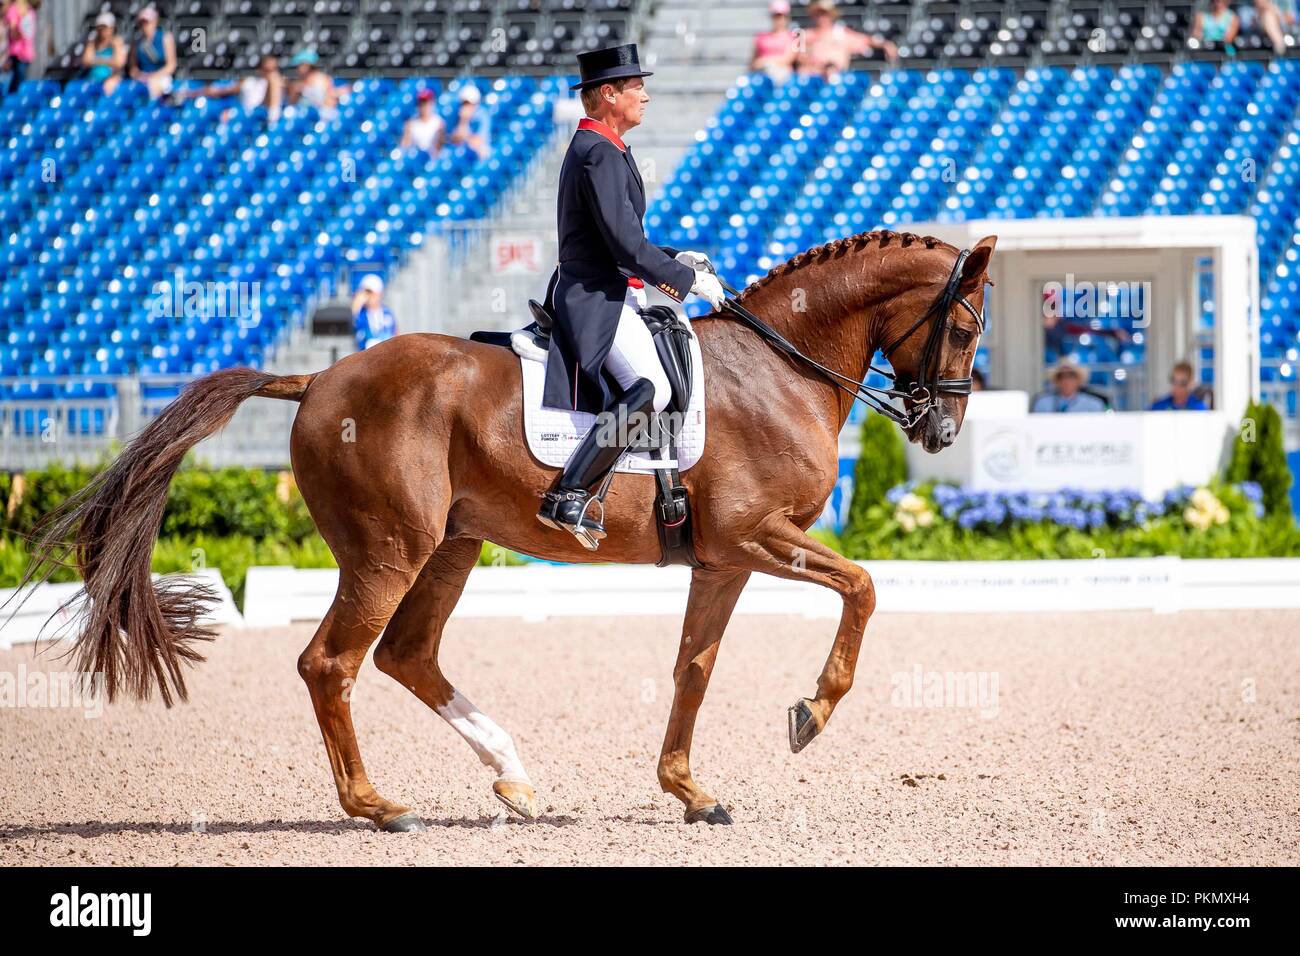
pixel 138 634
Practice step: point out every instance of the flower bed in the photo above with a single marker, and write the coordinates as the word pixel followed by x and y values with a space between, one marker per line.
pixel 934 520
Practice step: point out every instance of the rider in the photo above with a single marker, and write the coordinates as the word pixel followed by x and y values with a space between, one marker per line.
pixel 598 288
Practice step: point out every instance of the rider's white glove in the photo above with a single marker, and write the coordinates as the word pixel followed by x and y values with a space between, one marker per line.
pixel 708 288
pixel 696 260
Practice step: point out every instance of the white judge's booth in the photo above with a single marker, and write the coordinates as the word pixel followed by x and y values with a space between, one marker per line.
pixel 1194 297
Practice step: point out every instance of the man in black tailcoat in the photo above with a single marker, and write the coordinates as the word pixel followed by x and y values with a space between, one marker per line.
pixel 598 289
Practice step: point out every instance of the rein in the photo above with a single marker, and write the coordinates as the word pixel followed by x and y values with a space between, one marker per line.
pixel 923 394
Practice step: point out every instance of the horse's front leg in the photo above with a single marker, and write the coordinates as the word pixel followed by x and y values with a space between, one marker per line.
pixel 708 608
pixel 786 551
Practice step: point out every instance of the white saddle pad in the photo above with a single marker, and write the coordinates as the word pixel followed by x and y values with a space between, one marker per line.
pixel 553 433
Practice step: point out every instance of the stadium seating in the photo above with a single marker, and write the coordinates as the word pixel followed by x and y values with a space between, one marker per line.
pixel 1026 108
pixel 136 206
pixel 395 37
pixel 783 168
pixel 1039 32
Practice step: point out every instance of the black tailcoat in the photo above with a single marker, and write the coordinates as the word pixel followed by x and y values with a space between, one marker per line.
pixel 602 243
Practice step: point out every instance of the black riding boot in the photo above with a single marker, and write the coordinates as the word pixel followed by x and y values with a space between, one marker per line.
pixel 590 462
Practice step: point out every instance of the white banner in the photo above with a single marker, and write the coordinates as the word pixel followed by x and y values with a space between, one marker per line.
pixel 280 596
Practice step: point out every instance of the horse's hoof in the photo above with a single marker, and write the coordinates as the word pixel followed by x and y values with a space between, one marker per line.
pixel 408 822
pixel 519 797
pixel 714 816
pixel 803 726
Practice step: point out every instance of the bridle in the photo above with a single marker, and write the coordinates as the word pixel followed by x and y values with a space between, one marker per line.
pixel 922 392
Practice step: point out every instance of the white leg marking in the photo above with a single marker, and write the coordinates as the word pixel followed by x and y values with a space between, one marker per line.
pixel 492 744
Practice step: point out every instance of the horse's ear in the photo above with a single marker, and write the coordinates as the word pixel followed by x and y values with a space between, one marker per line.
pixel 974 270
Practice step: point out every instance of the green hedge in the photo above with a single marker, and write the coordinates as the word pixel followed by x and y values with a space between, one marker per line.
pixel 228 518
pixel 1258 455
pixel 882 464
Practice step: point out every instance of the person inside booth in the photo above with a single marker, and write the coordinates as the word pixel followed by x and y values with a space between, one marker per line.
pixel 1068 393
pixel 1182 395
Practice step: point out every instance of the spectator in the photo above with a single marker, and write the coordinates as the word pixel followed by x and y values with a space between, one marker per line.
pixel 774 51
pixel 977 380
pixel 1267 18
pixel 425 132
pixel 4 43
pixel 1218 27
pixel 153 57
pixel 471 122
pixel 19 30
pixel 826 48
pixel 1068 394
pixel 372 321
pixel 313 86
pixel 105 55
pixel 264 87
pixel 1181 397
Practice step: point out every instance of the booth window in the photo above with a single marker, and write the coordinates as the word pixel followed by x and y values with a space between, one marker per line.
pixel 1102 326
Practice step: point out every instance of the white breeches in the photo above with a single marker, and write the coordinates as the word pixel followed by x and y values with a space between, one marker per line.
pixel 633 355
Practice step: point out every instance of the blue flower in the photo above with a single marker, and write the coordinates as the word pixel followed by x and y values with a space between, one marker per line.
pixel 1252 491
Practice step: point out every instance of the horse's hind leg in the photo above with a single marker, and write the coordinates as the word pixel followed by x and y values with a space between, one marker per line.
pixel 329 666
pixel 708 608
pixel 409 654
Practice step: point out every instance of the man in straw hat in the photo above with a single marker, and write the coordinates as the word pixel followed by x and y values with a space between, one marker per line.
pixel 1068 394
pixel 598 289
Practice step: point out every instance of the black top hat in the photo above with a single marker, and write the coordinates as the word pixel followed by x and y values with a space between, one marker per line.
pixel 613 63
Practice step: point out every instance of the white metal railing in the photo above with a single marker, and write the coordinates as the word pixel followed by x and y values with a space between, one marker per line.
pixel 36 432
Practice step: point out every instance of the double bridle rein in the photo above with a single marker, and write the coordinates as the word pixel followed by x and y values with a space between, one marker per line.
pixel 923 392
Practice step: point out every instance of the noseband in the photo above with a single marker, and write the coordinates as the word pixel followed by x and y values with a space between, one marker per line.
pixel 922 392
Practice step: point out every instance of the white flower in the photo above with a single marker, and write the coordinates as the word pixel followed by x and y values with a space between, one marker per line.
pixel 913 503
pixel 1205 509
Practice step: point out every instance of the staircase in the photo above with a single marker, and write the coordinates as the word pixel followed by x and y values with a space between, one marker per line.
pixel 452 285
pixel 696 51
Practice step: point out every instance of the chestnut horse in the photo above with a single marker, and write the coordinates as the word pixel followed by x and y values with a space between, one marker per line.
pixel 411 454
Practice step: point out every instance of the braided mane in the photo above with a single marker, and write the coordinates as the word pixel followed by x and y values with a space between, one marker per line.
pixel 881 237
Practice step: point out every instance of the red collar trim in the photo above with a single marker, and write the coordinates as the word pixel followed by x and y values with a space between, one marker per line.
pixel 596 126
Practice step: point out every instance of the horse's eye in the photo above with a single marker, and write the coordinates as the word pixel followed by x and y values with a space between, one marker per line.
pixel 960 336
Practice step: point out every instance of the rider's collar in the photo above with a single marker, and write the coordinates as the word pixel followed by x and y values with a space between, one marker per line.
pixel 596 126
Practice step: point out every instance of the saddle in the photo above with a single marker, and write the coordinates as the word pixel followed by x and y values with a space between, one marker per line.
pixel 672 337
